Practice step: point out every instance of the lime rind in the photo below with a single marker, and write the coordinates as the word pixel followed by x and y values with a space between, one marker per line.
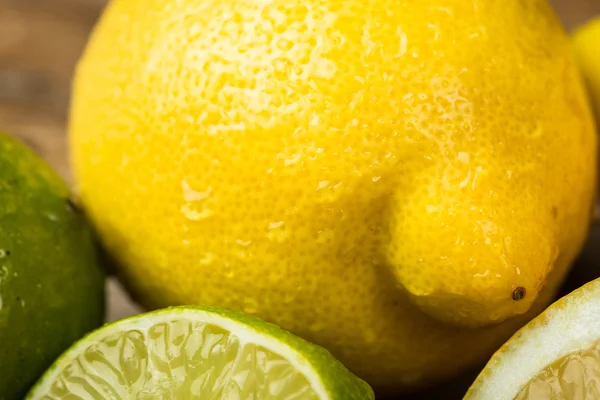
pixel 323 376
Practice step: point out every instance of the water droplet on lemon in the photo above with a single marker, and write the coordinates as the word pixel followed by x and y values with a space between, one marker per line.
pixel 207 258
pixel 277 232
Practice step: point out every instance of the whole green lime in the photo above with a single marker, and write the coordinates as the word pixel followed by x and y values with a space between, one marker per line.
pixel 51 283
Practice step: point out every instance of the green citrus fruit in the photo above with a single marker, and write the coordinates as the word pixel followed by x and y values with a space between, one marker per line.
pixel 51 284
pixel 197 353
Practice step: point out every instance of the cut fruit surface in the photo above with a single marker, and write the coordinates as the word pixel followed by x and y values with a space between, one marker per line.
pixel 555 356
pixel 197 353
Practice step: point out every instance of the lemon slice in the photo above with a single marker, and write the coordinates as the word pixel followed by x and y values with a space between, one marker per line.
pixel 555 356
pixel 197 353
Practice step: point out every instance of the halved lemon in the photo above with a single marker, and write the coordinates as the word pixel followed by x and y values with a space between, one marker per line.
pixel 555 356
pixel 197 353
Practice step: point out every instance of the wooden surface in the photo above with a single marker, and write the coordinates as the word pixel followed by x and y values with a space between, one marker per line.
pixel 40 42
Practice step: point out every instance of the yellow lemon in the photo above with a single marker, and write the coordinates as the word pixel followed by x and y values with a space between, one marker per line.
pixel 388 179
pixel 585 41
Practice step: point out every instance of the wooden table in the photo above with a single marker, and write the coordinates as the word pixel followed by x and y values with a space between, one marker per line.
pixel 40 41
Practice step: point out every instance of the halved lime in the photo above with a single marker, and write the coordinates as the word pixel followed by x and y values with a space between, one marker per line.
pixel 197 353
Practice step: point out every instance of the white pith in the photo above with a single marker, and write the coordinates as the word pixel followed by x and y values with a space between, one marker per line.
pixel 569 325
pixel 244 333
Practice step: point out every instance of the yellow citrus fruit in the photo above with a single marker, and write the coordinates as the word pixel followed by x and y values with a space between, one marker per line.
pixel 586 41
pixel 554 357
pixel 379 177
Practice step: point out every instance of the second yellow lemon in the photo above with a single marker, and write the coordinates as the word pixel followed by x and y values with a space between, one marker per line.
pixel 389 179
pixel 585 43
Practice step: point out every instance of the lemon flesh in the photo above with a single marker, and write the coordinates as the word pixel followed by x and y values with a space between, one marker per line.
pixel 405 170
pixel 196 353
pixel 573 377
pixel 555 356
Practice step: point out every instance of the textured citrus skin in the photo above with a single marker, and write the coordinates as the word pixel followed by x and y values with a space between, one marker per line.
pixel 585 41
pixel 377 176
pixel 51 283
